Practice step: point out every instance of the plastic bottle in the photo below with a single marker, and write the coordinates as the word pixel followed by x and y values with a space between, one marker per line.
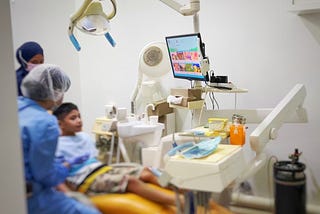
pixel 237 133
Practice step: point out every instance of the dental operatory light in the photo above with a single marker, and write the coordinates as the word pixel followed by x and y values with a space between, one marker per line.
pixel 91 19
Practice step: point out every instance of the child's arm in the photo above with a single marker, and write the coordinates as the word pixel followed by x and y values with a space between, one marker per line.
pixel 73 194
pixel 63 188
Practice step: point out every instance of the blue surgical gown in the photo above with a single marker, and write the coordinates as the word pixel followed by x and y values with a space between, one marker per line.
pixel 39 133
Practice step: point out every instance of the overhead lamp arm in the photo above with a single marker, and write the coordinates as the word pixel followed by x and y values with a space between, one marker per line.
pixel 187 10
pixel 268 128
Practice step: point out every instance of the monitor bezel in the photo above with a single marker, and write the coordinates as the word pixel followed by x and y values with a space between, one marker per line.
pixel 202 53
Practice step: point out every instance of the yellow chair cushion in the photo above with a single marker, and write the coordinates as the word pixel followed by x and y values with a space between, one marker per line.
pixel 128 203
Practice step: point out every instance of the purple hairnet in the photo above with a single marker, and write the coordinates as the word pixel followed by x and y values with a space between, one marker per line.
pixel 28 50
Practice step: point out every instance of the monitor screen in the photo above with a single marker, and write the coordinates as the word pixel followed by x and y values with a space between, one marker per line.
pixel 186 53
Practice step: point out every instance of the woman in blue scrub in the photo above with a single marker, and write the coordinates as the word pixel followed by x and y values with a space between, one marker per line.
pixel 43 89
pixel 29 55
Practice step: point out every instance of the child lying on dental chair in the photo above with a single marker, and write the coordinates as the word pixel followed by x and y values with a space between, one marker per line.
pixel 93 177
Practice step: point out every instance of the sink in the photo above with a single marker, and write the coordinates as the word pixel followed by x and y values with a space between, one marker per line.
pixel 136 137
pixel 134 132
pixel 135 128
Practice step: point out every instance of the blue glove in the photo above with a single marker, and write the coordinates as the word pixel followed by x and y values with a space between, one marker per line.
pixel 60 159
pixel 78 160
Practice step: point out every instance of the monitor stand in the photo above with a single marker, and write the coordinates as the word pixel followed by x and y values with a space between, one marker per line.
pixel 197 84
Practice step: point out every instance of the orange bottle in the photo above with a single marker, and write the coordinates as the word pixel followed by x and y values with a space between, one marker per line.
pixel 237 134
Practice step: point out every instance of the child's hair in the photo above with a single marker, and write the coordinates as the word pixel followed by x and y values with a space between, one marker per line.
pixel 64 109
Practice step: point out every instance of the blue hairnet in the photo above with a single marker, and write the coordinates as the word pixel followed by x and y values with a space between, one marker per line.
pixel 45 82
pixel 28 50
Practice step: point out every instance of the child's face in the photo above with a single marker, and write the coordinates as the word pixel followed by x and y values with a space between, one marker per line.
pixel 71 123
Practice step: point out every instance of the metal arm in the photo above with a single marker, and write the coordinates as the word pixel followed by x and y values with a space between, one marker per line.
pixel 186 10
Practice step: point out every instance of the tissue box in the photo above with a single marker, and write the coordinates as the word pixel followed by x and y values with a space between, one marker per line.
pixel 191 93
pixel 161 108
pixel 187 94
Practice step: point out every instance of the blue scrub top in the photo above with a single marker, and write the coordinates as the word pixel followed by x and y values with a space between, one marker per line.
pixel 39 134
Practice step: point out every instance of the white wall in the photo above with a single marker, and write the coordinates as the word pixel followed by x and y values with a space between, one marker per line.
pixel 258 44
pixel 46 22
pixel 12 195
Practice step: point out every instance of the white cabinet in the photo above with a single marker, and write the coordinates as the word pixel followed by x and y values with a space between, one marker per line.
pixel 301 7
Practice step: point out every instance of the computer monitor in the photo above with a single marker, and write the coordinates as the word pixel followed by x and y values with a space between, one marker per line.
pixel 185 53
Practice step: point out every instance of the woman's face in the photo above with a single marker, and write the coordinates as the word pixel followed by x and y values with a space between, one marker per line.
pixel 37 59
pixel 34 61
